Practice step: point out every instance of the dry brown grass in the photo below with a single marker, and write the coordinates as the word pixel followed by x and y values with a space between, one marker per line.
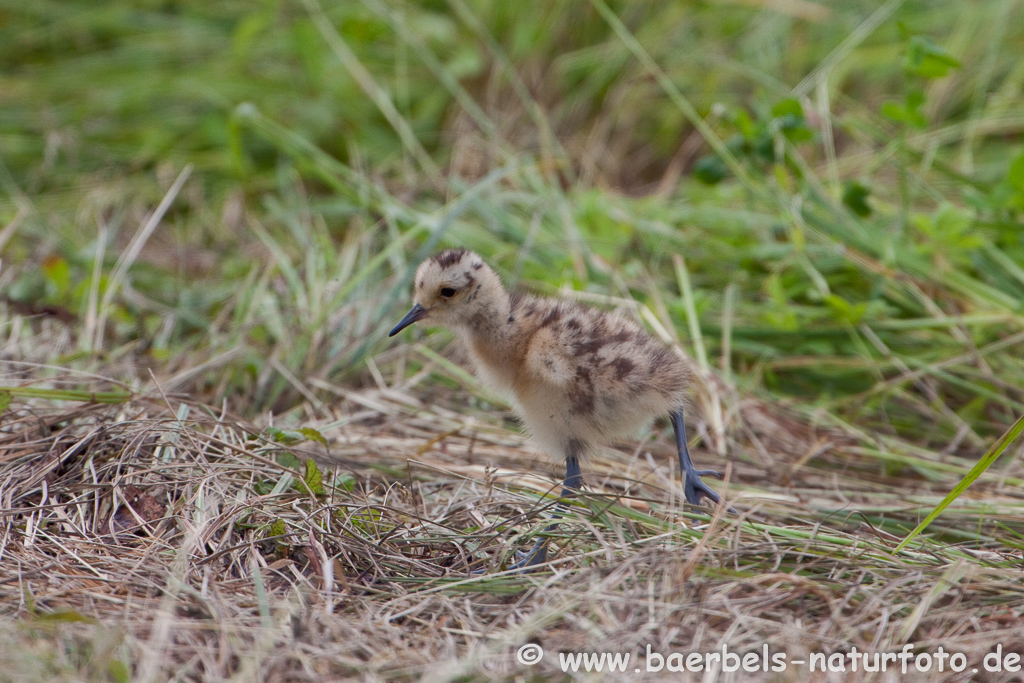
pixel 868 277
pixel 160 538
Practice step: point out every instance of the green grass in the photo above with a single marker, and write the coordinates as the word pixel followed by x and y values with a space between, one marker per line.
pixel 222 203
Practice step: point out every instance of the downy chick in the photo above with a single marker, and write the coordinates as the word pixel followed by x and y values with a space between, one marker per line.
pixel 576 376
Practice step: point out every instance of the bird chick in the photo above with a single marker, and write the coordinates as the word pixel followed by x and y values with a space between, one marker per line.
pixel 576 376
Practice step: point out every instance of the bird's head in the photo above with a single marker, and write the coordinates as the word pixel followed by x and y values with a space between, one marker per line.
pixel 455 289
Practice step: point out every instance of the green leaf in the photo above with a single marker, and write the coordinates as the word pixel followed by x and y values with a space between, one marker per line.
pixel 744 124
pixel 986 460
pixel 286 437
pixel 57 274
pixel 844 310
pixel 313 435
pixel 952 223
pixel 118 671
pixel 1015 176
pixel 1009 193
pixel 710 170
pixel 925 58
pixel 894 111
pixel 788 107
pixel 791 121
pixel 855 197
pixel 915 99
pixel 289 460
pixel 909 111
pixel 313 480
pixel 776 290
pixel 344 480
pixel 66 616
pixel 795 129
pixel 5 401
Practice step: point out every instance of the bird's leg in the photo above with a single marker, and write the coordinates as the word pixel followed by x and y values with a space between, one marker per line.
pixel 693 486
pixel 538 554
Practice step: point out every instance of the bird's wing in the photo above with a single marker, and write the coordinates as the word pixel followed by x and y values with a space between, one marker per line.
pixel 548 360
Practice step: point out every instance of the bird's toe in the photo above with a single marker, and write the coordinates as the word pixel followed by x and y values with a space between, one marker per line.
pixel 527 559
pixel 696 490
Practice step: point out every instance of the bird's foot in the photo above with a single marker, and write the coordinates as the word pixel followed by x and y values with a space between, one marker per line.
pixel 527 560
pixel 696 490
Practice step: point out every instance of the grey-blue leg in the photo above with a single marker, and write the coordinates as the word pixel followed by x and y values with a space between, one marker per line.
pixel 538 554
pixel 693 486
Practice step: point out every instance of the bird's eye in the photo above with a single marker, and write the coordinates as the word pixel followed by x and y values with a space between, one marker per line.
pixel 447 292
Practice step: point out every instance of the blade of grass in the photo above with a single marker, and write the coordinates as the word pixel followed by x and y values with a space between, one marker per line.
pixel 683 278
pixel 69 394
pixel 986 460
pixel 677 97
pixel 373 90
pixel 124 263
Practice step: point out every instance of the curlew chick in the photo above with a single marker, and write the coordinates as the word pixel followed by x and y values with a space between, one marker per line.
pixel 576 376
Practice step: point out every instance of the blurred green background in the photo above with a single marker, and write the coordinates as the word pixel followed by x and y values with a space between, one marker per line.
pixel 842 181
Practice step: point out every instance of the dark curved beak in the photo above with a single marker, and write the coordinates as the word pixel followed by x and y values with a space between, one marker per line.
pixel 416 313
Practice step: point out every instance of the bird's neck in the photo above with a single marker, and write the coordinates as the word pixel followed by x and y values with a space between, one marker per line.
pixel 491 341
pixel 489 326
